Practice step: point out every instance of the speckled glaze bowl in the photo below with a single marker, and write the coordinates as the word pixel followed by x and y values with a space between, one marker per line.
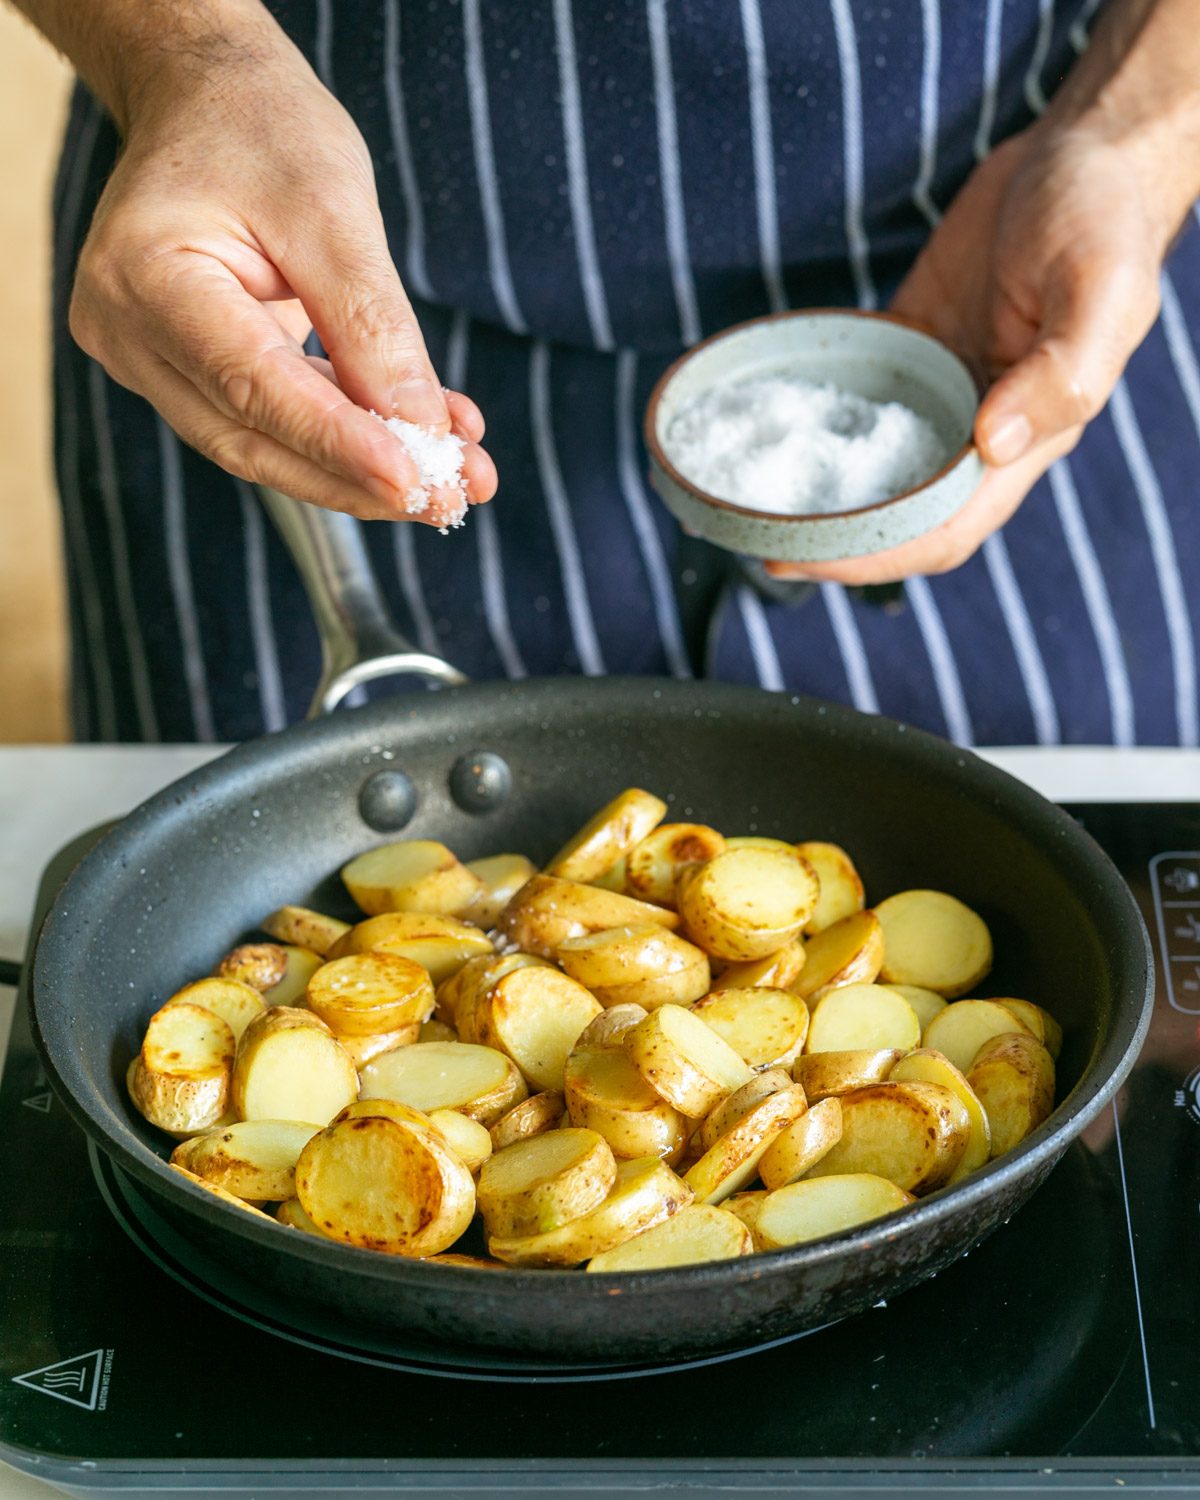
pixel 876 355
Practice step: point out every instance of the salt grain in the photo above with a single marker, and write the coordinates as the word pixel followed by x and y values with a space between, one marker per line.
pixel 438 459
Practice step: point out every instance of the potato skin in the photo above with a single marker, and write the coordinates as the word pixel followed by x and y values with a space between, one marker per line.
pixel 652 869
pixel 913 1134
pixel 304 928
pixel 608 836
pixel 548 910
pixel 829 1074
pixel 1013 1078
pixel 691 1068
pixel 607 1094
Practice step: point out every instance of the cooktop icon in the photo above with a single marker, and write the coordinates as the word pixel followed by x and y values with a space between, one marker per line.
pixel 1182 880
pixel 1188 1097
pixel 80 1381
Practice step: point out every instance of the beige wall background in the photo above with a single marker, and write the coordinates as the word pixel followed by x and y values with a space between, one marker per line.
pixel 34 84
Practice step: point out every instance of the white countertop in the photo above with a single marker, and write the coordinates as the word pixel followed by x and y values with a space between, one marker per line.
pixel 49 794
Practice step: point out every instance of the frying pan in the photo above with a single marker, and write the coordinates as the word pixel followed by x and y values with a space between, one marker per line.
pixel 496 767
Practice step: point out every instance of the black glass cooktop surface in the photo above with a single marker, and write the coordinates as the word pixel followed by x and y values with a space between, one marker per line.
pixel 1060 1354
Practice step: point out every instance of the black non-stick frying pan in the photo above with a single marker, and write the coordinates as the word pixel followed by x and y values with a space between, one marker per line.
pixel 501 767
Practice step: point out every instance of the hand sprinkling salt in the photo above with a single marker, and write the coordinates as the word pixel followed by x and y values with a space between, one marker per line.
pixel 439 464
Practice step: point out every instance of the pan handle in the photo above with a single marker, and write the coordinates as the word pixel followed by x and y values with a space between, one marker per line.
pixel 359 639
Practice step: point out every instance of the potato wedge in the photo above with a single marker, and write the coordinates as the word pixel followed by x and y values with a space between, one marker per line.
pixel 289 1066
pixel 366 993
pixel 652 869
pixel 927 1066
pixel 441 945
pixel 1013 1077
pixel 609 1028
pixel 546 911
pixel 531 1117
pixel 502 876
pixel 542 1183
pixel 841 885
pixel 684 1060
pixel 607 1094
pixel 747 903
pixel 802 1145
pixel 470 1141
pixel 862 1018
pixel 820 1206
pixel 696 1234
pixel 778 971
pixel 732 1163
pixel 914 1134
pixel 254 1159
pixel 382 1184
pixel 477 1081
pixel 645 1193
pixel 828 1075
pixel 926 1003
pixel 765 1027
pixel 217 1191
pixel 534 1016
pixel 260 965
pixel 961 1029
pixel 364 1049
pixel 933 940
pixel 301 965
pixel 608 836
pixel 645 965
pixel 236 1002
pixel 416 875
pixel 305 928
pixel 291 1212
pixel 1040 1022
pixel 846 952
pixel 739 1104
pixel 180 1081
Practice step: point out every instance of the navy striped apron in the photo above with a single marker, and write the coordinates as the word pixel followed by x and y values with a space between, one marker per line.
pixel 573 192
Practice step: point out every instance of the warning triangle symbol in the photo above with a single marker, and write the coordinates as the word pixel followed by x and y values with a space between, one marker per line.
pixel 75 1381
pixel 40 1102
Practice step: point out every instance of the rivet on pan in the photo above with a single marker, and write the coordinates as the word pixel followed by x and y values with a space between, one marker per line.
pixel 479 782
pixel 387 801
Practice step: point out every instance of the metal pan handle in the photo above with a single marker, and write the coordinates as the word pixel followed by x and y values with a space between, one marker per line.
pixel 359 639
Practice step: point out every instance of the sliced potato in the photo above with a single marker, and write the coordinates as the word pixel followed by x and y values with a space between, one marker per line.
pixel 802 1145
pixel 609 1028
pixel 607 1094
pixel 830 1074
pixel 732 1163
pixel 535 1015
pixel 305 928
pixel 529 1118
pixel 416 875
pixel 236 1002
pixel 388 1109
pixel 467 1262
pixel 254 1159
pixel 696 1234
pixel 1040 1022
pixel 739 1104
pixel 652 869
pixel 476 1081
pixel 745 1206
pixel 1013 1077
pixel 684 1060
pixel 546 911
pixel 289 1066
pixel 961 1029
pixel 926 1003
pixel 841 885
pixel 382 1184
pixel 441 945
pixel 366 993
pixel 458 996
pixel 749 902
pixel 819 1206
pixel 260 965
pixel 611 880
pixel 539 1184
pixel 778 971
pixel 765 1027
pixel 180 1081
pixel 502 876
pixel 846 952
pixel 468 1139
pixel 608 836
pixel 217 1191
pixel 927 1066
pixel 291 1212
pixel 645 1193
pixel 914 1134
pixel 645 965
pixel 933 940
pixel 861 1018
pixel 436 1031
pixel 364 1049
pixel 758 841
pixel 301 965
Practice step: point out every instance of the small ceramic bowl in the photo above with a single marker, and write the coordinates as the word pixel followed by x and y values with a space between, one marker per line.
pixel 875 355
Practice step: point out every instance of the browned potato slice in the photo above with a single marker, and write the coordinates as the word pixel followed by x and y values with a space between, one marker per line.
pixel 291 1212
pixel 739 1104
pixel 289 1066
pixel 830 1074
pixel 933 940
pixel 608 1029
pixel 611 880
pixel 749 902
pixel 366 993
pixel 364 1049
pixel 745 1206
pixel 696 1234
pixel 607 1094
pixel 802 1145
pixel 217 1191
pixel 685 1061
pixel 441 945
pixel 260 965
pixel 236 1002
pixel 301 965
pixel 254 1159
pixel 914 1134
pixel 646 966
pixel 306 929
pixel 417 875
pixel 961 1029
pixel 1013 1077
pixel 818 1206
pixel 765 1027
pixel 529 1118
pixel 181 1078
pixel 608 836
pixel 860 1018
pixel 1040 1022
pixel 926 1003
pixel 927 1066
pixel 841 885
pixel 458 996
pixel 546 911
pixel 847 952
pixel 541 1183
pixel 732 1163
pixel 476 1081
pixel 778 971
pixel 388 1109
pixel 381 1184
pixel 502 876
pixel 758 841
pixel 652 869
pixel 535 1015
pixel 645 1193
pixel 470 1141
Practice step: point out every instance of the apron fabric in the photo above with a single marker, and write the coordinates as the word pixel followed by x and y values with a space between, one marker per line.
pixel 573 193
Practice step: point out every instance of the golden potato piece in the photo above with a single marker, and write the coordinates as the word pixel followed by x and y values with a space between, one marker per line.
pixel 180 1081
pixel 745 1206
pixel 847 952
pixel 914 1134
pixel 830 1074
pixel 441 945
pixel 289 1066
pixel 417 875
pixel 802 1145
pixel 645 1193
pixel 254 1159
pixel 539 1184
pixel 820 1206
pixel 260 965
pixel 305 928
pixel 961 1029
pixel 459 995
pixel 1040 1022
pixel 547 911
pixel 778 971
pixel 1013 1077
pixel 732 1163
pixel 301 965
pixel 652 869
pixel 476 1081
pixel 382 1184
pixel 609 1028
pixel 535 1015
pixel 611 880
pixel 862 1018
pixel 607 1094
pixel 765 1027
pixel 291 1212
pixel 696 1234
pixel 932 940
pixel 218 1192
pixel 926 1003
pixel 364 1049
pixel 841 885
pixel 435 1031
pixel 739 1104
pixel 366 993
pixel 502 876
pixel 749 902
pixel 644 965
pixel 927 1066
pixel 467 1262
pixel 529 1118
pixel 470 1141
pixel 236 1002
pixel 608 836
pixel 684 1060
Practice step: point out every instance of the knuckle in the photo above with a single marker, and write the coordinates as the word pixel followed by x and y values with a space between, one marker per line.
pixel 237 453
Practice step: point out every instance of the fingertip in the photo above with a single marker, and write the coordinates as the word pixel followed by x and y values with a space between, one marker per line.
pixel 1003 435
pixel 479 474
pixel 465 416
